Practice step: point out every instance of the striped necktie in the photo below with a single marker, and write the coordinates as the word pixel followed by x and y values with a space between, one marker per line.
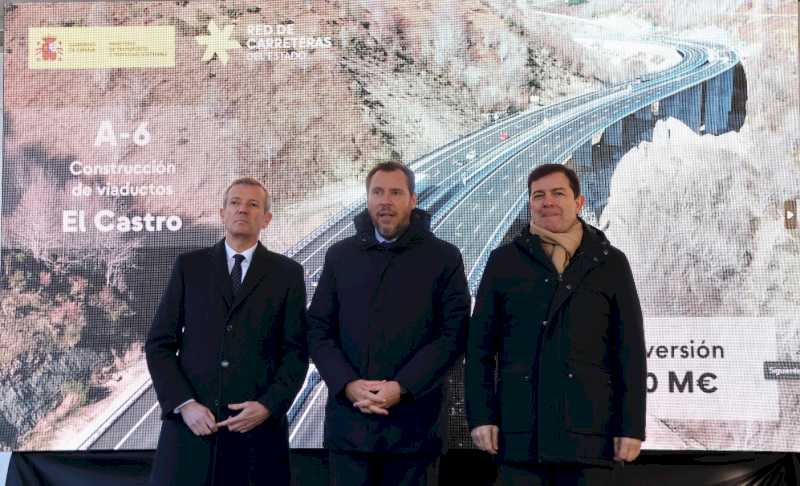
pixel 236 273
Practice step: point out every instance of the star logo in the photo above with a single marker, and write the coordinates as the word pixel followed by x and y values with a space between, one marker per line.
pixel 217 42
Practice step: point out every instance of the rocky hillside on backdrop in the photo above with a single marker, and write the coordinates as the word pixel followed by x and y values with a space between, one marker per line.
pixel 401 79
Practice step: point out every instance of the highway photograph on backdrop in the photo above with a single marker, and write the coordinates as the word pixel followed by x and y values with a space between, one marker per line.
pixel 123 122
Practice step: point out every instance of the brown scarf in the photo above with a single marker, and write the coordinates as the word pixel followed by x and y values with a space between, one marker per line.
pixel 560 247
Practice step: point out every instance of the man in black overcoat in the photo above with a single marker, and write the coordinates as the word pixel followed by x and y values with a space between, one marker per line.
pixel 556 369
pixel 227 354
pixel 387 321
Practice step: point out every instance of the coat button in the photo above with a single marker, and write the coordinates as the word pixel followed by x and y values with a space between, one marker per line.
pixel 605 252
pixel 544 323
pixel 546 280
pixel 216 403
pixel 229 328
pixel 569 287
pixel 570 375
pixel 224 363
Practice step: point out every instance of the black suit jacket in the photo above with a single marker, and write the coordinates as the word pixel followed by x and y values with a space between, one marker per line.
pixel 217 348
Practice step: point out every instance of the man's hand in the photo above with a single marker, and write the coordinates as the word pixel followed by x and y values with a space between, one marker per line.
pixel 626 449
pixel 485 438
pixel 198 418
pixel 252 414
pixel 363 394
pixel 387 396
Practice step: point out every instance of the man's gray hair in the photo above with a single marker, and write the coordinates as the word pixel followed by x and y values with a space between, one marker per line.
pixel 247 181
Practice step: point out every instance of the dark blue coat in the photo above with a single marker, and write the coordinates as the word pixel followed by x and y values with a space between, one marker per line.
pixel 395 313
pixel 229 350
pixel 557 362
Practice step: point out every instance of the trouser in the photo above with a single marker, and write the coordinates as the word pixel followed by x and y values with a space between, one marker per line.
pixel 246 459
pixel 368 469
pixel 552 474
pixel 256 458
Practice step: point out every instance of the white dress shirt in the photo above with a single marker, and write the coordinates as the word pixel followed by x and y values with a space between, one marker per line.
pixel 247 254
pixel 381 239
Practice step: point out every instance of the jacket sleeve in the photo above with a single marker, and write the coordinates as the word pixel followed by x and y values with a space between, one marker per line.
pixel 163 343
pixel 291 368
pixel 323 333
pixel 483 344
pixel 631 383
pixel 432 360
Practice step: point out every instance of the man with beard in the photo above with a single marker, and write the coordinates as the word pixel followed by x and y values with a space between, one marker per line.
pixel 556 368
pixel 387 321
pixel 227 354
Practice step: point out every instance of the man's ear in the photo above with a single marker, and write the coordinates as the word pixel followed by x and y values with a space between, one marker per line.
pixel 267 220
pixel 581 200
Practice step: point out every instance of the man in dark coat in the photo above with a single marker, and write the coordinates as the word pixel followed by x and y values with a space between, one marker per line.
pixel 387 321
pixel 227 354
pixel 555 373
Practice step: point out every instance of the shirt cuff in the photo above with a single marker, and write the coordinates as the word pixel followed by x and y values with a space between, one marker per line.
pixel 177 409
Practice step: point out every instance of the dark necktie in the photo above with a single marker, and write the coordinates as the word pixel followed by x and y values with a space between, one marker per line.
pixel 236 273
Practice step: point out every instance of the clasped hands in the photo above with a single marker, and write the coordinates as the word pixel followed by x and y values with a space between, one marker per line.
pixel 202 422
pixel 374 396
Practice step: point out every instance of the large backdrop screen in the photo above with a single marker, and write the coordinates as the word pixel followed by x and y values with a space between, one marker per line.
pixel 124 121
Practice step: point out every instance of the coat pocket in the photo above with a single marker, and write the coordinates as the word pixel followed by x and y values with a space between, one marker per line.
pixel 516 402
pixel 587 400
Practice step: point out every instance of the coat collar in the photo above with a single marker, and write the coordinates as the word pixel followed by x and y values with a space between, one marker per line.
pixel 255 273
pixel 592 252
pixel 418 229
pixel 594 246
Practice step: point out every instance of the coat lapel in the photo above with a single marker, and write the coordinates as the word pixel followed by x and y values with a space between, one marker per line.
pixel 255 274
pixel 222 279
pixel 532 245
pixel 591 254
pixel 570 280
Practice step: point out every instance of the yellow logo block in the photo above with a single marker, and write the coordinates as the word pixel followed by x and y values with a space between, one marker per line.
pixel 101 47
